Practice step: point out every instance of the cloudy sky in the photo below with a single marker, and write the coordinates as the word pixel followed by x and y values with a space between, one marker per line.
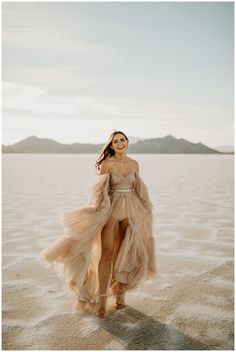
pixel 75 71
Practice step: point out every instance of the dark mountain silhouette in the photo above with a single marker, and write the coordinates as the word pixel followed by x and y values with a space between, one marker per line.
pixel 165 145
pixel 170 145
pixel 34 144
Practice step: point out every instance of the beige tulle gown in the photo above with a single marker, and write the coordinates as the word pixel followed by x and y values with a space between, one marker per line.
pixel 77 253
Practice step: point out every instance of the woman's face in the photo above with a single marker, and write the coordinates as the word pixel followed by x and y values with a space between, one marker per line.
pixel 119 143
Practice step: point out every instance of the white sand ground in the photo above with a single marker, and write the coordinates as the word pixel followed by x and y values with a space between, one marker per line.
pixel 190 306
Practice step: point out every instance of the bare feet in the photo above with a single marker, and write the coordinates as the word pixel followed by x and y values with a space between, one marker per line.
pixel 120 302
pixel 102 306
pixel 120 295
pixel 79 305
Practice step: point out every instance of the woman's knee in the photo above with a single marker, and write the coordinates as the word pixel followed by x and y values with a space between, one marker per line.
pixel 107 254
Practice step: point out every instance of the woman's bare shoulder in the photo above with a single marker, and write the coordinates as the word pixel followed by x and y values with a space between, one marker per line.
pixel 134 163
pixel 105 167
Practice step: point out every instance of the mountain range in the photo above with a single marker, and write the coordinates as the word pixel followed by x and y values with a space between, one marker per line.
pixel 164 145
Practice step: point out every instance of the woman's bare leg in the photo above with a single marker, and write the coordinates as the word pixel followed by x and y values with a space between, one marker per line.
pixel 121 287
pixel 105 264
pixel 119 236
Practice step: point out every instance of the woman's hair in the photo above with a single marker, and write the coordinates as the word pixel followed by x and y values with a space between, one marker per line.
pixel 107 151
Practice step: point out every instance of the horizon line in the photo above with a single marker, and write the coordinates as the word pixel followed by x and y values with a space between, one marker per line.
pixel 138 139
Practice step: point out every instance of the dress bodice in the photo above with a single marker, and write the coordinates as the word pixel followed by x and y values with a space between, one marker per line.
pixel 122 182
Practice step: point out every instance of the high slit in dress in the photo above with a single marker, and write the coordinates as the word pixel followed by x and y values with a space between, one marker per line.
pixel 77 253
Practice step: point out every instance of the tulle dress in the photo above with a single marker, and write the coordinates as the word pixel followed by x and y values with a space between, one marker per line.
pixel 77 253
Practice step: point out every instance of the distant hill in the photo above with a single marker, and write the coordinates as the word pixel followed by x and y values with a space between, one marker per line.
pixel 165 145
pixel 133 140
pixel 225 149
pixel 34 144
pixel 170 145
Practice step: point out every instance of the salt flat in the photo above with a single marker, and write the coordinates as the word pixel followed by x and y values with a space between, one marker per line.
pixel 190 306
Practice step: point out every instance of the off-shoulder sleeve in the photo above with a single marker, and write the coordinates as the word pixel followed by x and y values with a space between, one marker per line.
pixel 84 220
pixel 142 192
pixel 99 191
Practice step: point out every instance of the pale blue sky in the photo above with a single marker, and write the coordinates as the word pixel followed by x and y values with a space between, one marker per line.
pixel 76 71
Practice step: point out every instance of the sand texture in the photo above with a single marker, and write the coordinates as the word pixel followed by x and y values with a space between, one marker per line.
pixel 189 306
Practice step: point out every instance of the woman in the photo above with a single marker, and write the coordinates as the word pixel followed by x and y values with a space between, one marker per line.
pixel 109 246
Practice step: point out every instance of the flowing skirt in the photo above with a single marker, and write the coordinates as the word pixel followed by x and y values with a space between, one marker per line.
pixel 77 253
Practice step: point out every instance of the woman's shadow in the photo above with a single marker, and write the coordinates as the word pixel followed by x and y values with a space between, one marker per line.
pixel 141 332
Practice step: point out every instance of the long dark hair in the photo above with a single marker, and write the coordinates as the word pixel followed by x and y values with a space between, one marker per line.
pixel 107 151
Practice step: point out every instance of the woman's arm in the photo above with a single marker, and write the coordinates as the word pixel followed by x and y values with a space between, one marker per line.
pixel 142 193
pixel 136 166
pixel 105 167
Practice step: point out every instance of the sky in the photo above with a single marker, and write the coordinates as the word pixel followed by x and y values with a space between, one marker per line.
pixel 74 72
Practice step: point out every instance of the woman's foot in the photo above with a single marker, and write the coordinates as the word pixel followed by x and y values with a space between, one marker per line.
pixel 79 305
pixel 120 296
pixel 120 302
pixel 102 306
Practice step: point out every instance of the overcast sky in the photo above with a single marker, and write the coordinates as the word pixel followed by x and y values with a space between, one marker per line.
pixel 76 71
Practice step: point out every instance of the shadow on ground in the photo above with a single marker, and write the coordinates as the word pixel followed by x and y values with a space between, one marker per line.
pixel 141 332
